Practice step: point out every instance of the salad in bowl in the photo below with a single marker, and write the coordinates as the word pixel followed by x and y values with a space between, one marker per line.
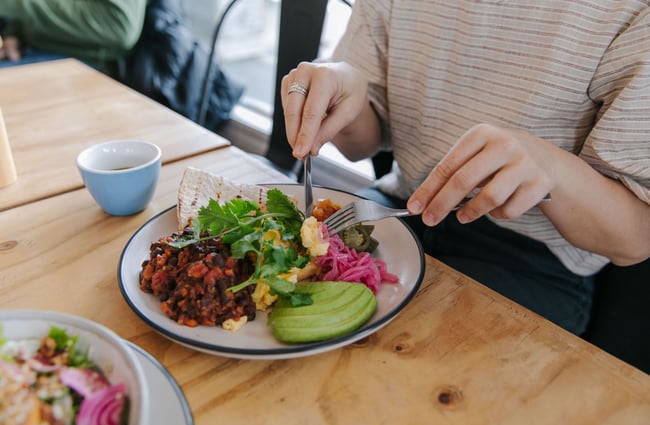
pixel 57 368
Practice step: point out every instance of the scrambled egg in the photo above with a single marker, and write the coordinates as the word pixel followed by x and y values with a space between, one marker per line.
pixel 262 297
pixel 295 275
pixel 312 237
pixel 276 237
pixel 313 240
pixel 233 325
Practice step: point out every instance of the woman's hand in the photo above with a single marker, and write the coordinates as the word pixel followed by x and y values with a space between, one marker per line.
pixel 10 49
pixel 514 170
pixel 336 94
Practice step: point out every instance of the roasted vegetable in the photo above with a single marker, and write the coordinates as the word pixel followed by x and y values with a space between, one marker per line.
pixel 359 237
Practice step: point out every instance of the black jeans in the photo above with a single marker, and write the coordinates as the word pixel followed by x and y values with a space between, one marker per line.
pixel 516 266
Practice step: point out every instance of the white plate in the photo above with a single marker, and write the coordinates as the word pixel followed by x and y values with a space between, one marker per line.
pixel 170 405
pixel 398 247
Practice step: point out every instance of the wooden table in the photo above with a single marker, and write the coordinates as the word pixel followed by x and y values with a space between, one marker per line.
pixel 53 110
pixel 458 353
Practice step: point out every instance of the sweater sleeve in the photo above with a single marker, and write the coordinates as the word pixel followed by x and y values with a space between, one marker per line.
pixel 618 145
pixel 364 45
pixel 93 29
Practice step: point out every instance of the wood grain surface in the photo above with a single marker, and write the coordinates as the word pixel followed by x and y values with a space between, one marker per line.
pixel 457 354
pixel 53 110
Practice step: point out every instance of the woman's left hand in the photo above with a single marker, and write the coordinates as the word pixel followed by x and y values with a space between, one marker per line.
pixel 513 169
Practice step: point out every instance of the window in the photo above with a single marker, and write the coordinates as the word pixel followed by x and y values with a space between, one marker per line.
pixel 246 50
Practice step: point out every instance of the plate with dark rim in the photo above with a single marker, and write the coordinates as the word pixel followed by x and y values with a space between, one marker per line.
pixel 398 247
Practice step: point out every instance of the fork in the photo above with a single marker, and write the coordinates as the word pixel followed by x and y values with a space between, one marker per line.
pixel 367 210
pixel 360 211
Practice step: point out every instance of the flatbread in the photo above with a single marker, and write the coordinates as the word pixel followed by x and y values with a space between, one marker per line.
pixel 198 187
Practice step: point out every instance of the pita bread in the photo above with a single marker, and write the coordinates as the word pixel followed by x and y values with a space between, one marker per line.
pixel 198 187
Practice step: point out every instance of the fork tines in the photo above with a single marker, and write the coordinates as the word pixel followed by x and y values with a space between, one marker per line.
pixel 341 219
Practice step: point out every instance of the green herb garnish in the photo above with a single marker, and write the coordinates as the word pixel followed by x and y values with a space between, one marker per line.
pixel 65 342
pixel 243 225
pixel 3 341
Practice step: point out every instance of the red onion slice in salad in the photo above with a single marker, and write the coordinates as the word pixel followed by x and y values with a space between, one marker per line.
pixel 83 381
pixel 103 407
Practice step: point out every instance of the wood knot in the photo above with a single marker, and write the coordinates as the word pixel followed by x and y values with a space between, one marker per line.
pixel 448 396
pixel 402 347
pixel 7 245
pixel 402 344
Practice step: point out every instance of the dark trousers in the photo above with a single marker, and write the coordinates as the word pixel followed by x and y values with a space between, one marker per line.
pixel 514 265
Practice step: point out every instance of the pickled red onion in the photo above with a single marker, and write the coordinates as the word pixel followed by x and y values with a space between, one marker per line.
pixel 346 264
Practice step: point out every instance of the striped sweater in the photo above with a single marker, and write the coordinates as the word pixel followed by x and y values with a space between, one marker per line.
pixel 574 72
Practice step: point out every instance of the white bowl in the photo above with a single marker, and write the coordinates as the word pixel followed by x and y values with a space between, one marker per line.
pixel 107 350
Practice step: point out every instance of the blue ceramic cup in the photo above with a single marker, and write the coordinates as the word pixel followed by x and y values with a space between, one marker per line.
pixel 121 175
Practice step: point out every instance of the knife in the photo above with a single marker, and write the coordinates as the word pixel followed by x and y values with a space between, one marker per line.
pixel 309 197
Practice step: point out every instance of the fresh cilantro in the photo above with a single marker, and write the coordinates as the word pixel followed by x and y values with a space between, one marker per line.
pixel 3 341
pixel 62 340
pixel 65 342
pixel 272 259
pixel 244 226
pixel 289 216
pixel 296 299
pixel 232 220
pixel 7 357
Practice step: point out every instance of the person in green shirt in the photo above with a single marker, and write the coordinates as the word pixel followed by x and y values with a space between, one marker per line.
pixel 95 31
pixel 147 45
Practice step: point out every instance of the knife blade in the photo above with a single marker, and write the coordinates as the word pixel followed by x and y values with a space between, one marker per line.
pixel 309 197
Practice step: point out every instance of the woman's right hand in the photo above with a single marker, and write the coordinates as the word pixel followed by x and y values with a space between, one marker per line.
pixel 336 95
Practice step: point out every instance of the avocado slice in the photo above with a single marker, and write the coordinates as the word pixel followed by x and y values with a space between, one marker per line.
pixel 337 309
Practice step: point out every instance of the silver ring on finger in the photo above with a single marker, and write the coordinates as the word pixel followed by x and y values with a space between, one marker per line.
pixel 298 88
